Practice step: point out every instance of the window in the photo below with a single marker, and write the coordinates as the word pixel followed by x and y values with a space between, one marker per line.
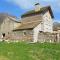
pixel 24 33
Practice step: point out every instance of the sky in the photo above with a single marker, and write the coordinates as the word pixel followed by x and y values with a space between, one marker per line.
pixel 19 7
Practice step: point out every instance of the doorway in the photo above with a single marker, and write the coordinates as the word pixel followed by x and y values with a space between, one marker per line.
pixel 3 35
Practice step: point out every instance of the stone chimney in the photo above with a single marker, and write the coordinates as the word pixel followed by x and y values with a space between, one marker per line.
pixel 37 7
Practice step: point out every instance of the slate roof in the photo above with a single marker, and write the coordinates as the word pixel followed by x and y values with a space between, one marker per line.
pixel 42 10
pixel 29 23
pixel 26 26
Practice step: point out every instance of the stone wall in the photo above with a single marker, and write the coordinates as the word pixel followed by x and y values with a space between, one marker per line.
pixel 24 35
pixel 48 37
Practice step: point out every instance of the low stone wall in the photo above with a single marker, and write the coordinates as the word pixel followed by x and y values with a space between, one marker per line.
pixel 20 35
pixel 48 37
pixel 42 37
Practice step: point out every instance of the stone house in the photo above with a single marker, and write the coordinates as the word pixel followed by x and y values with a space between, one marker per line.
pixel 7 23
pixel 34 22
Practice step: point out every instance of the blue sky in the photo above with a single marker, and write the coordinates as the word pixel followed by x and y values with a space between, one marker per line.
pixel 18 7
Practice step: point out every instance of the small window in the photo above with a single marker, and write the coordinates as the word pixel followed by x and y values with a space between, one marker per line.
pixel 24 33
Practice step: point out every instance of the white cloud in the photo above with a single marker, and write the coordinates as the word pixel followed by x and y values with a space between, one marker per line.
pixel 24 4
pixel 29 4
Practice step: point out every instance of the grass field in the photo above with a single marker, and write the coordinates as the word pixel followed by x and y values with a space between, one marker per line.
pixel 24 51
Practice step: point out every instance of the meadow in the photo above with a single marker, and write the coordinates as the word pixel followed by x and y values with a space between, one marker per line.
pixel 26 51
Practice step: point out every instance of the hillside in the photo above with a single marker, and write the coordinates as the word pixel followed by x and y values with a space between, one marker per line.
pixel 24 51
pixel 56 25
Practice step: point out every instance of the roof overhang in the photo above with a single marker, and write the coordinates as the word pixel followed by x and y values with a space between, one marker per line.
pixel 22 29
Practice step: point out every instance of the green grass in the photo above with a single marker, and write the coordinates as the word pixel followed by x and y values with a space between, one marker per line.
pixel 24 51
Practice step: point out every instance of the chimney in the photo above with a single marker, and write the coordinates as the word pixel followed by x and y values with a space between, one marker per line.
pixel 37 7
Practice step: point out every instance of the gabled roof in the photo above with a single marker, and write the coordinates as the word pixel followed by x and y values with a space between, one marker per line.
pixel 29 23
pixel 26 26
pixel 42 10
